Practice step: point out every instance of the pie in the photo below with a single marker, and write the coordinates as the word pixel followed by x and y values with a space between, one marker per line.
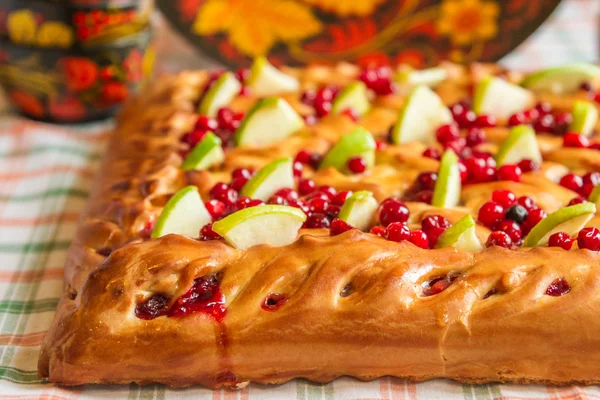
pixel 270 224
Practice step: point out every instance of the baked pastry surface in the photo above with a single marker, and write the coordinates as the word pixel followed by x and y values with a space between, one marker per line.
pixel 351 304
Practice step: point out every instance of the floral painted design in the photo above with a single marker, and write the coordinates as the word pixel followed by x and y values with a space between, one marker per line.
pixel 467 21
pixel 24 27
pixel 420 33
pixel 254 27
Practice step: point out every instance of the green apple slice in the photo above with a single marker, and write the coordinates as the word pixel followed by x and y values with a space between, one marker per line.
pixel 268 224
pixel 184 214
pixel 568 219
pixel 420 116
pixel 205 154
pixel 220 94
pixel 427 77
pixel 354 96
pixel 461 235
pixel 359 209
pixel 269 179
pixel 358 143
pixel 520 144
pixel 266 80
pixel 270 120
pixel 559 80
pixel 499 98
pixel 585 117
pixel 446 193
pixel 594 196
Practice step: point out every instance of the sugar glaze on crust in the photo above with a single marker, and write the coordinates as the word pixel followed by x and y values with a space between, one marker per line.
pixel 354 303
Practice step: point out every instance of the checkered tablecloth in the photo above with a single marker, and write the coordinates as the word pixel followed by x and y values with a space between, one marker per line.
pixel 45 174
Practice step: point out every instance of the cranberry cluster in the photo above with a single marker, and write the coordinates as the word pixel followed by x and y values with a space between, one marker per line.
pixel 422 189
pixel 321 100
pixel 356 165
pixel 224 126
pixel 583 185
pixel 510 218
pixel 379 80
pixel 587 238
pixel 543 119
pixel 576 140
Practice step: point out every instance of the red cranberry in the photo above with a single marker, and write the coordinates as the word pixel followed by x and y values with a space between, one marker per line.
pixel 432 222
pixel 146 231
pixel 447 133
pixel 322 107
pixel 595 145
pixel 297 168
pixel 544 124
pixel 528 165
pixel 516 119
pixel 505 198
pixel 238 183
pixel 490 213
pixel 475 136
pixel 458 146
pixel 287 193
pixel 597 97
pixel 589 238
pixel 457 109
pixel 338 226
pixel 430 152
pixel 543 108
pixel 242 74
pixel 315 160
pixel 378 230
pixel 225 118
pixel 357 165
pixel 318 205
pixel 207 233
pixel 531 115
pixel 577 200
pixel 205 123
pixel 499 238
pixel 397 232
pixel 586 190
pixel 586 86
pixel 575 140
pixel 419 238
pixel 509 172
pixel 351 113
pixel 242 202
pixel 533 218
pixel 433 235
pixel 306 186
pixel 303 157
pixel 592 178
pixel 392 210
pixel 561 123
pixel 215 208
pixel 462 169
pixel 558 287
pixel 560 239
pixel 340 198
pixel 511 228
pixel 527 202
pixel 277 200
pixel 222 192
pixel 487 174
pixel 154 307
pixel 378 80
pixel 308 97
pixel 572 182
pixel 466 119
pixel 329 191
pixel 380 145
pixel 424 196
pixel 485 121
pixel 474 167
pixel 194 137
pixel 317 220
pixel 427 180
pixel 241 173
pixel 333 211
pixel 301 204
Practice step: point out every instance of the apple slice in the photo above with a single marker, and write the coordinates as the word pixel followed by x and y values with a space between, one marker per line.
pixel 266 80
pixel 499 98
pixel 270 120
pixel 354 96
pixel 358 143
pixel 205 154
pixel 267 224
pixel 559 80
pixel 220 94
pixel 422 113
pixel 184 214
pixel 359 209
pixel 520 144
pixel 585 117
pixel 594 196
pixel 427 77
pixel 269 179
pixel 461 235
pixel 446 193
pixel 568 219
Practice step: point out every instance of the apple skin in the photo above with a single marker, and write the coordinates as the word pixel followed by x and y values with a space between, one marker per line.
pixel 559 80
pixel 499 98
pixel 585 117
pixel 359 210
pixel 266 80
pixel 220 94
pixel 520 144
pixel 269 179
pixel 446 193
pixel 358 143
pixel 461 235
pixel 209 147
pixel 354 96
pixel 567 219
pixel 184 214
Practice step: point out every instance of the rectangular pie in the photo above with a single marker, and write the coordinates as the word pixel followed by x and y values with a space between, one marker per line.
pixel 372 256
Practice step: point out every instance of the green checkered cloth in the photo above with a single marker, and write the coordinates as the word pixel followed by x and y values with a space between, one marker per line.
pixel 45 175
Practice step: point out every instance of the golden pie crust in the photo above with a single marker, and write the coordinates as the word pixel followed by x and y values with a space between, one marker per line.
pixel 355 301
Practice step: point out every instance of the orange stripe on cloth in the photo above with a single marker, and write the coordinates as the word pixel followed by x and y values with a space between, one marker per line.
pixel 32 127
pixel 28 340
pixel 48 219
pixel 31 276
pixel 87 172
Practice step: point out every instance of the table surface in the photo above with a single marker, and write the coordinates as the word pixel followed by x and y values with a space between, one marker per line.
pixel 45 176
